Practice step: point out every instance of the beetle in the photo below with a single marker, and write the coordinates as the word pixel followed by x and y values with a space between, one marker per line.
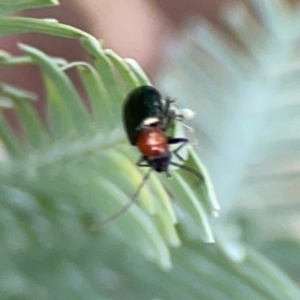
pixel 146 119
pixel 145 122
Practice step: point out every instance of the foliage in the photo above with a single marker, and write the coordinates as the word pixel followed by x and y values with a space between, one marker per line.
pixel 243 84
pixel 67 174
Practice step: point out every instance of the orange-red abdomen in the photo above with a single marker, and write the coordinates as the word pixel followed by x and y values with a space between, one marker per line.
pixel 152 142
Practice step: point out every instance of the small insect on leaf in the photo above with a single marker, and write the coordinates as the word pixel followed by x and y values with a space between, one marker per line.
pixel 146 120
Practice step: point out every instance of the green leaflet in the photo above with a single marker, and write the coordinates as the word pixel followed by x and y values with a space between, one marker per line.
pixel 7 6
pixel 75 169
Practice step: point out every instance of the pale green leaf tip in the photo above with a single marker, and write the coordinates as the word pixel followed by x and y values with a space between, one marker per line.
pixel 166 264
pixel 209 186
pixel 216 214
pixel 4 54
pixel 213 197
pixel 138 70
pixel 175 242
pixel 207 236
pixel 234 250
pixel 134 65
pixel 209 239
pixel 5 102
pixel 16 92
pixel 23 47
pixel 109 52
pixel 90 42
pixel 50 20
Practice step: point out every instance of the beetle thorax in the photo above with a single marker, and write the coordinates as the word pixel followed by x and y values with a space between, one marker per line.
pixel 152 142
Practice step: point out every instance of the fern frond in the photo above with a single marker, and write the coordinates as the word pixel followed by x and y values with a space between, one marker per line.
pixel 76 168
pixel 75 141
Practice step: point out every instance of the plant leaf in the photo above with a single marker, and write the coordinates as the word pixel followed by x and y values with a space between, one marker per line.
pixel 7 7
pixel 14 25
pixel 66 113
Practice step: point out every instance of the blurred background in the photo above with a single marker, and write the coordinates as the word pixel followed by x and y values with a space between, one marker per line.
pixel 139 29
pixel 235 63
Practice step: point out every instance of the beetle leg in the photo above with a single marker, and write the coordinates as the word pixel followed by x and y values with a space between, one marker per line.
pixel 172 140
pixel 170 114
pixel 168 104
pixel 191 170
pixel 170 117
pixel 142 159
pixel 183 142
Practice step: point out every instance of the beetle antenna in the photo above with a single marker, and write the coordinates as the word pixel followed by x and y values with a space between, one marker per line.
pixel 191 170
pixel 133 200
